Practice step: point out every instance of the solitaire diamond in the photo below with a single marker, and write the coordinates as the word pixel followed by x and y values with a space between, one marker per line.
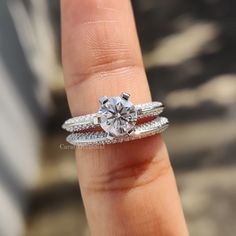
pixel 117 116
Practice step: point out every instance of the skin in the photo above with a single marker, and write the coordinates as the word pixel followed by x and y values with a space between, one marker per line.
pixel 129 188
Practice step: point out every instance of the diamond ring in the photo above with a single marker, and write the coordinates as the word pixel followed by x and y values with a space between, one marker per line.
pixel 119 120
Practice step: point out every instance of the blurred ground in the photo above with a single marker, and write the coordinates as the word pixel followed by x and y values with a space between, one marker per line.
pixel 190 54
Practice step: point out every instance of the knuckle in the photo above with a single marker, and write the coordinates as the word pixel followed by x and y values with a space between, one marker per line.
pixel 106 54
pixel 129 177
pixel 106 68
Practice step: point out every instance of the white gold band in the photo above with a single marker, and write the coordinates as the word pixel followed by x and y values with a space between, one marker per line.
pixel 150 128
pixel 84 122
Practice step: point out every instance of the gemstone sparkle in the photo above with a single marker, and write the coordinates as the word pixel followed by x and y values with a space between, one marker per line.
pixel 117 116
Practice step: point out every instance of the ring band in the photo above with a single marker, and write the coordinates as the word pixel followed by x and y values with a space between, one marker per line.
pixel 117 117
pixel 153 127
pixel 84 122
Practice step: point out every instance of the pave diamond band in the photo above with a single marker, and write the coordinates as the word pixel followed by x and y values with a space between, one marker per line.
pixel 87 121
pixel 118 120
pixel 153 127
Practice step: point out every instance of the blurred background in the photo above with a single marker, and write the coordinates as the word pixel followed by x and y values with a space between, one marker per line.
pixel 189 50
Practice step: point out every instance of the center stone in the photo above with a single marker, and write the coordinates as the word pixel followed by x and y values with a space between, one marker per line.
pixel 117 116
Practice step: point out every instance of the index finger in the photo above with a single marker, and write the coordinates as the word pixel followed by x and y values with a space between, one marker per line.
pixel 101 53
pixel 128 188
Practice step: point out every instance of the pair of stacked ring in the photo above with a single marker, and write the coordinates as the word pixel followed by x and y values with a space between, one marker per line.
pixel 118 120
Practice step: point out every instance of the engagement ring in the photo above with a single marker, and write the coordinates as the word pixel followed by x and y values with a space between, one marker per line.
pixel 119 120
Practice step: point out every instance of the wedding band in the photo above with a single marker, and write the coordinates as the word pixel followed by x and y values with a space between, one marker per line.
pixel 156 126
pixel 117 117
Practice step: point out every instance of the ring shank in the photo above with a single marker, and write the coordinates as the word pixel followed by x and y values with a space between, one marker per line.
pixel 155 126
pixel 89 121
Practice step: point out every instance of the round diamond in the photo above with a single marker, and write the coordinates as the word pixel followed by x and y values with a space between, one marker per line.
pixel 117 116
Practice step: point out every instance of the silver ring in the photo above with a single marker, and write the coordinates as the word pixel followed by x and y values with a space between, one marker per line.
pixel 119 120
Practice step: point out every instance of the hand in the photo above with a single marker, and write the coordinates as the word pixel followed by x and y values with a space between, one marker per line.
pixel 129 188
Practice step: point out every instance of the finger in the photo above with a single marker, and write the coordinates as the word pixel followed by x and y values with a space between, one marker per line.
pixel 128 188
pixel 100 53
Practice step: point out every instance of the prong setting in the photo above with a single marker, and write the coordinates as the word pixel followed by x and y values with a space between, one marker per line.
pixel 130 132
pixel 103 100
pixel 125 96
pixel 97 120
